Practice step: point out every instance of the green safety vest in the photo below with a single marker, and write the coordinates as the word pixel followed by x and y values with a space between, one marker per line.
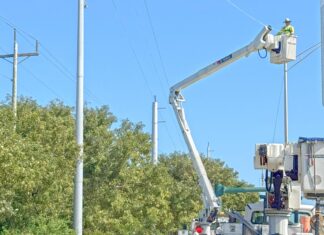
pixel 288 30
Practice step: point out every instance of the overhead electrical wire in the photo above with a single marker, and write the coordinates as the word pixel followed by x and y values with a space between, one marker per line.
pixel 163 69
pixel 10 79
pixel 66 72
pixel 309 48
pixel 133 50
pixel 42 82
pixel 138 62
pixel 156 43
pixel 5 76
pixel 165 126
pixel 6 21
pixel 244 12
pixel 49 57
pixel 4 51
pixel 22 33
pixel 168 133
pixel 250 16
pixel 308 54
pixel 312 49
pixel 157 72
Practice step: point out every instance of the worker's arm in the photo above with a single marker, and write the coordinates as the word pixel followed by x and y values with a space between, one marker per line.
pixel 282 30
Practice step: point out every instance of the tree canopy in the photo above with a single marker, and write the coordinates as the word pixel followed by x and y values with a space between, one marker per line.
pixel 123 192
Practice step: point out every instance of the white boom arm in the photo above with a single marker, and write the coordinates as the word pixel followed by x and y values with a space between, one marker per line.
pixel 209 198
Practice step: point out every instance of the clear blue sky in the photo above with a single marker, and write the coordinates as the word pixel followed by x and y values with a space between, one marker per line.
pixel 232 110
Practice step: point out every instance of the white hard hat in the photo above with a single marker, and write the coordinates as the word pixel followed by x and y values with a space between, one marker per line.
pixel 287 20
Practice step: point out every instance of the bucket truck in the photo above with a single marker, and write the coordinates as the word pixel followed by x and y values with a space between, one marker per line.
pixel 295 169
pixel 282 50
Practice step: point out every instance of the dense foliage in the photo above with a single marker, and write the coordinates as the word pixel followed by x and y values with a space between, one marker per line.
pixel 123 192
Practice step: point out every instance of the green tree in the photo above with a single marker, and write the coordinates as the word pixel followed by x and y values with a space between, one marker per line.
pixel 123 192
pixel 126 193
pixel 186 201
pixel 37 164
pixel 219 173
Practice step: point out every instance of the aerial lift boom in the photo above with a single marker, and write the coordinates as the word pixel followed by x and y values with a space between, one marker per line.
pixel 264 40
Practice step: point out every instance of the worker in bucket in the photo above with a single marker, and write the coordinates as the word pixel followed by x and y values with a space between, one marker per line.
pixel 288 29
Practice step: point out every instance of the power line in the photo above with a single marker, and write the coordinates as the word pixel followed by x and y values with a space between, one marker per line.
pixel 60 66
pixel 15 56
pixel 165 96
pixel 308 54
pixel 42 82
pixel 3 50
pixel 160 81
pixel 164 73
pixel 5 76
pixel 137 60
pixel 49 57
pixel 10 79
pixel 169 133
pixel 313 48
pixel 65 71
pixel 136 57
pixel 244 12
pixel 133 50
pixel 156 43
pixel 33 75
pixel 11 25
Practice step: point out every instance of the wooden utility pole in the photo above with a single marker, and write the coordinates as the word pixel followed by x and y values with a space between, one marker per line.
pixel 15 56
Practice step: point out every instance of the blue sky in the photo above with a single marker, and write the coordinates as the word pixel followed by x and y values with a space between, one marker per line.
pixel 127 64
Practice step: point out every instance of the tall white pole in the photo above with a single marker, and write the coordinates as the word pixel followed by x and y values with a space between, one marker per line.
pixel 78 181
pixel 322 47
pixel 155 132
pixel 286 102
pixel 322 68
pixel 278 219
pixel 14 78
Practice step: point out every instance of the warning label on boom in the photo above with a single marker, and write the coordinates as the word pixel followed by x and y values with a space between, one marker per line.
pixel 224 59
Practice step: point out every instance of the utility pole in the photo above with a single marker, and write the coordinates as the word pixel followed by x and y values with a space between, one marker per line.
pixel 317 205
pixel 322 47
pixel 14 78
pixel 15 56
pixel 286 102
pixel 209 151
pixel 78 180
pixel 155 132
